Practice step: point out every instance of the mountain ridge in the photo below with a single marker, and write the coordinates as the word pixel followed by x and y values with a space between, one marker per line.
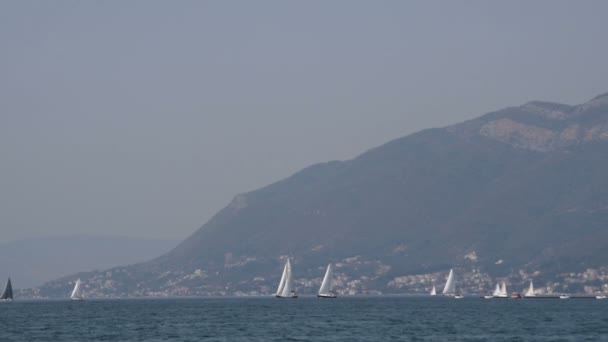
pixel 516 193
pixel 542 126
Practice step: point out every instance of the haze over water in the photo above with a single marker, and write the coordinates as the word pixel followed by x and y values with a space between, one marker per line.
pixel 144 118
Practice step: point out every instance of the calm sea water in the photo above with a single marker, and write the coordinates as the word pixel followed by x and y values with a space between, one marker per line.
pixel 306 319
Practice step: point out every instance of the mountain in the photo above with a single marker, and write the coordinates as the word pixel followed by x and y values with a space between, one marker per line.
pixel 34 261
pixel 515 194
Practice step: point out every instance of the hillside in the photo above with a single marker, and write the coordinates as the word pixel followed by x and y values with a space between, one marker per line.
pixel 517 193
pixel 34 261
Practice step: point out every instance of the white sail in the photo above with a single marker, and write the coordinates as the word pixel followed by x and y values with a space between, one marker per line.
pixel 496 292
pixel 433 291
pixel 530 292
pixel 450 285
pixel 77 292
pixel 327 284
pixel 282 282
pixel 288 286
pixel 503 290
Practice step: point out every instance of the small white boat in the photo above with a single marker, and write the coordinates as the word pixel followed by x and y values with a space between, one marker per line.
pixel 530 292
pixel 285 289
pixel 600 297
pixel 327 285
pixel 564 297
pixel 488 297
pixel 458 296
pixel 77 292
pixel 450 285
pixel 433 291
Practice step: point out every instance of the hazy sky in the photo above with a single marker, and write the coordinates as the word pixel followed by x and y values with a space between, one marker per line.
pixel 144 118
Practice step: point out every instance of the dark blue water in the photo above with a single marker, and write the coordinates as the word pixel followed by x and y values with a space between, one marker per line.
pixel 306 319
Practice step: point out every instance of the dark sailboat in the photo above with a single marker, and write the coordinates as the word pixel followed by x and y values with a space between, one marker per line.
pixel 8 291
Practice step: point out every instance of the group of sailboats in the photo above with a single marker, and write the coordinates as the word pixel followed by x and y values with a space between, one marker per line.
pixel 500 291
pixel 530 293
pixel 76 294
pixel 286 289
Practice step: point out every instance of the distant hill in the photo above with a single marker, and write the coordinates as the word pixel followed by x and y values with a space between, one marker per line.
pixel 31 262
pixel 516 194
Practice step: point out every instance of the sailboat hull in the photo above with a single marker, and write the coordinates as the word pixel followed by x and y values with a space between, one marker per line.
pixel 327 295
pixel 294 296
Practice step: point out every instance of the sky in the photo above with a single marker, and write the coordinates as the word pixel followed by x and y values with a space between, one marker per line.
pixel 144 118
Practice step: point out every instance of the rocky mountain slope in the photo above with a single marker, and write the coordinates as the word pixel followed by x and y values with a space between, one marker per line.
pixel 516 194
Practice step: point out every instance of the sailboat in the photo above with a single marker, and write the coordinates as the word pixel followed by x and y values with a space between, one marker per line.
pixel 450 286
pixel 327 285
pixel 285 289
pixel 433 291
pixel 8 291
pixel 77 292
pixel 495 293
pixel 530 292
pixel 502 293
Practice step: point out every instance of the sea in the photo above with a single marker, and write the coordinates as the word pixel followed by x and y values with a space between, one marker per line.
pixel 382 318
